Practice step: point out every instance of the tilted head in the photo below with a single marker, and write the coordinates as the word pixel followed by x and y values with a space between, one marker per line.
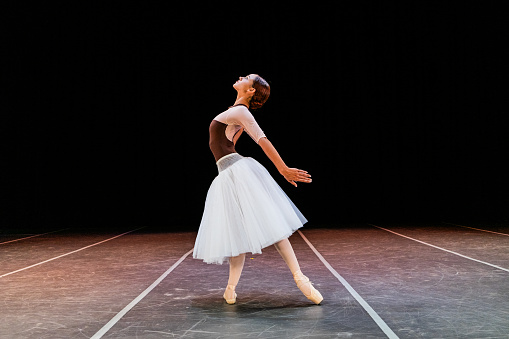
pixel 255 87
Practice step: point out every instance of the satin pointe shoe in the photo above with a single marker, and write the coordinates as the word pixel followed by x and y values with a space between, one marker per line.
pixel 230 301
pixel 302 281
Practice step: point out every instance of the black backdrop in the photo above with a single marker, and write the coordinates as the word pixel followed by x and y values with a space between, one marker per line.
pixel 398 110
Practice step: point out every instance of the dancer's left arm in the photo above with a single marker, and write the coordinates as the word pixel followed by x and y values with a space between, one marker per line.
pixel 241 116
pixel 291 174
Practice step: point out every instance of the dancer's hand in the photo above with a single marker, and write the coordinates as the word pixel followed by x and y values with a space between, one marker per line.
pixel 294 174
pixel 291 174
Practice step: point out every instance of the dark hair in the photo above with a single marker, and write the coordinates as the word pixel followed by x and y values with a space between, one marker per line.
pixel 262 93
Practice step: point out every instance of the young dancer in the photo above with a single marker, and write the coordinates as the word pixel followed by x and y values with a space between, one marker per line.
pixel 245 209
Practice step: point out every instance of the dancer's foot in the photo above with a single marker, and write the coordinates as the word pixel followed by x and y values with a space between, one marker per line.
pixel 307 288
pixel 229 294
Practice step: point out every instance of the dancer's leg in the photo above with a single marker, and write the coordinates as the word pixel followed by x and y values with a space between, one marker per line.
pixel 286 251
pixel 236 266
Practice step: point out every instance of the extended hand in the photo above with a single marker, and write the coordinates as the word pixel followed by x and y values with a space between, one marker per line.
pixel 294 174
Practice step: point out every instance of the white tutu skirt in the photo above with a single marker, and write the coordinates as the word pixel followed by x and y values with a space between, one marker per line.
pixel 245 211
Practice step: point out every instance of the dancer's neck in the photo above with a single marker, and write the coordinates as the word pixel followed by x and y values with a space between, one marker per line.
pixel 242 100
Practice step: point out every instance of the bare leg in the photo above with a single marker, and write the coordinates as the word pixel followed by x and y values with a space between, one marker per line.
pixel 236 266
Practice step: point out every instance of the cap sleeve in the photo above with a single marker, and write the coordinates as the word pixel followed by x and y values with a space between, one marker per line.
pixel 241 116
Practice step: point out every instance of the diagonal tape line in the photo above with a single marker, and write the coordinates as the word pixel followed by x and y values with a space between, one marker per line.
pixel 378 320
pixel 477 229
pixel 443 249
pixel 133 303
pixel 32 236
pixel 68 253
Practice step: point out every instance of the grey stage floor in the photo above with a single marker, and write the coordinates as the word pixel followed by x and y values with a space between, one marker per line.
pixel 408 281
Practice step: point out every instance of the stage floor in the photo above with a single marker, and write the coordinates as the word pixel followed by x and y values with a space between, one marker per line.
pixel 384 280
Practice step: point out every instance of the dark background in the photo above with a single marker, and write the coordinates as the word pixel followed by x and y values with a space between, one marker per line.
pixel 397 109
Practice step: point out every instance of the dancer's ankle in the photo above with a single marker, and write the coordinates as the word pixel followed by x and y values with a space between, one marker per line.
pixel 297 273
pixel 229 294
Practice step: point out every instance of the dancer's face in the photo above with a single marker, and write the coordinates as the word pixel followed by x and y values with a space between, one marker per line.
pixel 245 84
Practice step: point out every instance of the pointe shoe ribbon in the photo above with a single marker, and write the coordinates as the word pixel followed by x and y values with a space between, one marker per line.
pixel 301 280
pixel 230 301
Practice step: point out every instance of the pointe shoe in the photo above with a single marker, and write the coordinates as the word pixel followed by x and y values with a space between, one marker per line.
pixel 230 301
pixel 301 280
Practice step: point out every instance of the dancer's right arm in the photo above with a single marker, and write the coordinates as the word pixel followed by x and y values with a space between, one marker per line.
pixel 291 174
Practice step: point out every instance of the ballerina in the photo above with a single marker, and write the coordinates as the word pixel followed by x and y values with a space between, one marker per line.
pixel 245 209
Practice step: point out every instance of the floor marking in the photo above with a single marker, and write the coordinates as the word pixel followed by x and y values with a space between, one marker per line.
pixel 63 255
pixel 32 236
pixel 196 324
pixel 477 229
pixel 379 321
pixel 443 249
pixel 133 303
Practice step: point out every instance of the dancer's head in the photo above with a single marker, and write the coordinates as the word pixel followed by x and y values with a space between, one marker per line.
pixel 255 88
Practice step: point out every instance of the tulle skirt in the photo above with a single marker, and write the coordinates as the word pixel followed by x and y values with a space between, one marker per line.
pixel 245 211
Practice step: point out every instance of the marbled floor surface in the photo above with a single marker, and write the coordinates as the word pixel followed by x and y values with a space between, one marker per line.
pixel 70 283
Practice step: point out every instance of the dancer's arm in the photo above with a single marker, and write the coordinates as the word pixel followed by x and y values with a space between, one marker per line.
pixel 291 174
pixel 241 116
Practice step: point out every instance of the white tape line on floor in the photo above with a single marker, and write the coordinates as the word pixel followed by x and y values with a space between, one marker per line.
pixel 443 249
pixel 133 303
pixel 68 253
pixel 478 229
pixel 378 320
pixel 32 236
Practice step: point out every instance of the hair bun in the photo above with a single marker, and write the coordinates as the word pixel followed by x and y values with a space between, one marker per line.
pixel 262 93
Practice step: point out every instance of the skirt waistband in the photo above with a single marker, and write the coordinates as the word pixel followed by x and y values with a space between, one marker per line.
pixel 228 160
